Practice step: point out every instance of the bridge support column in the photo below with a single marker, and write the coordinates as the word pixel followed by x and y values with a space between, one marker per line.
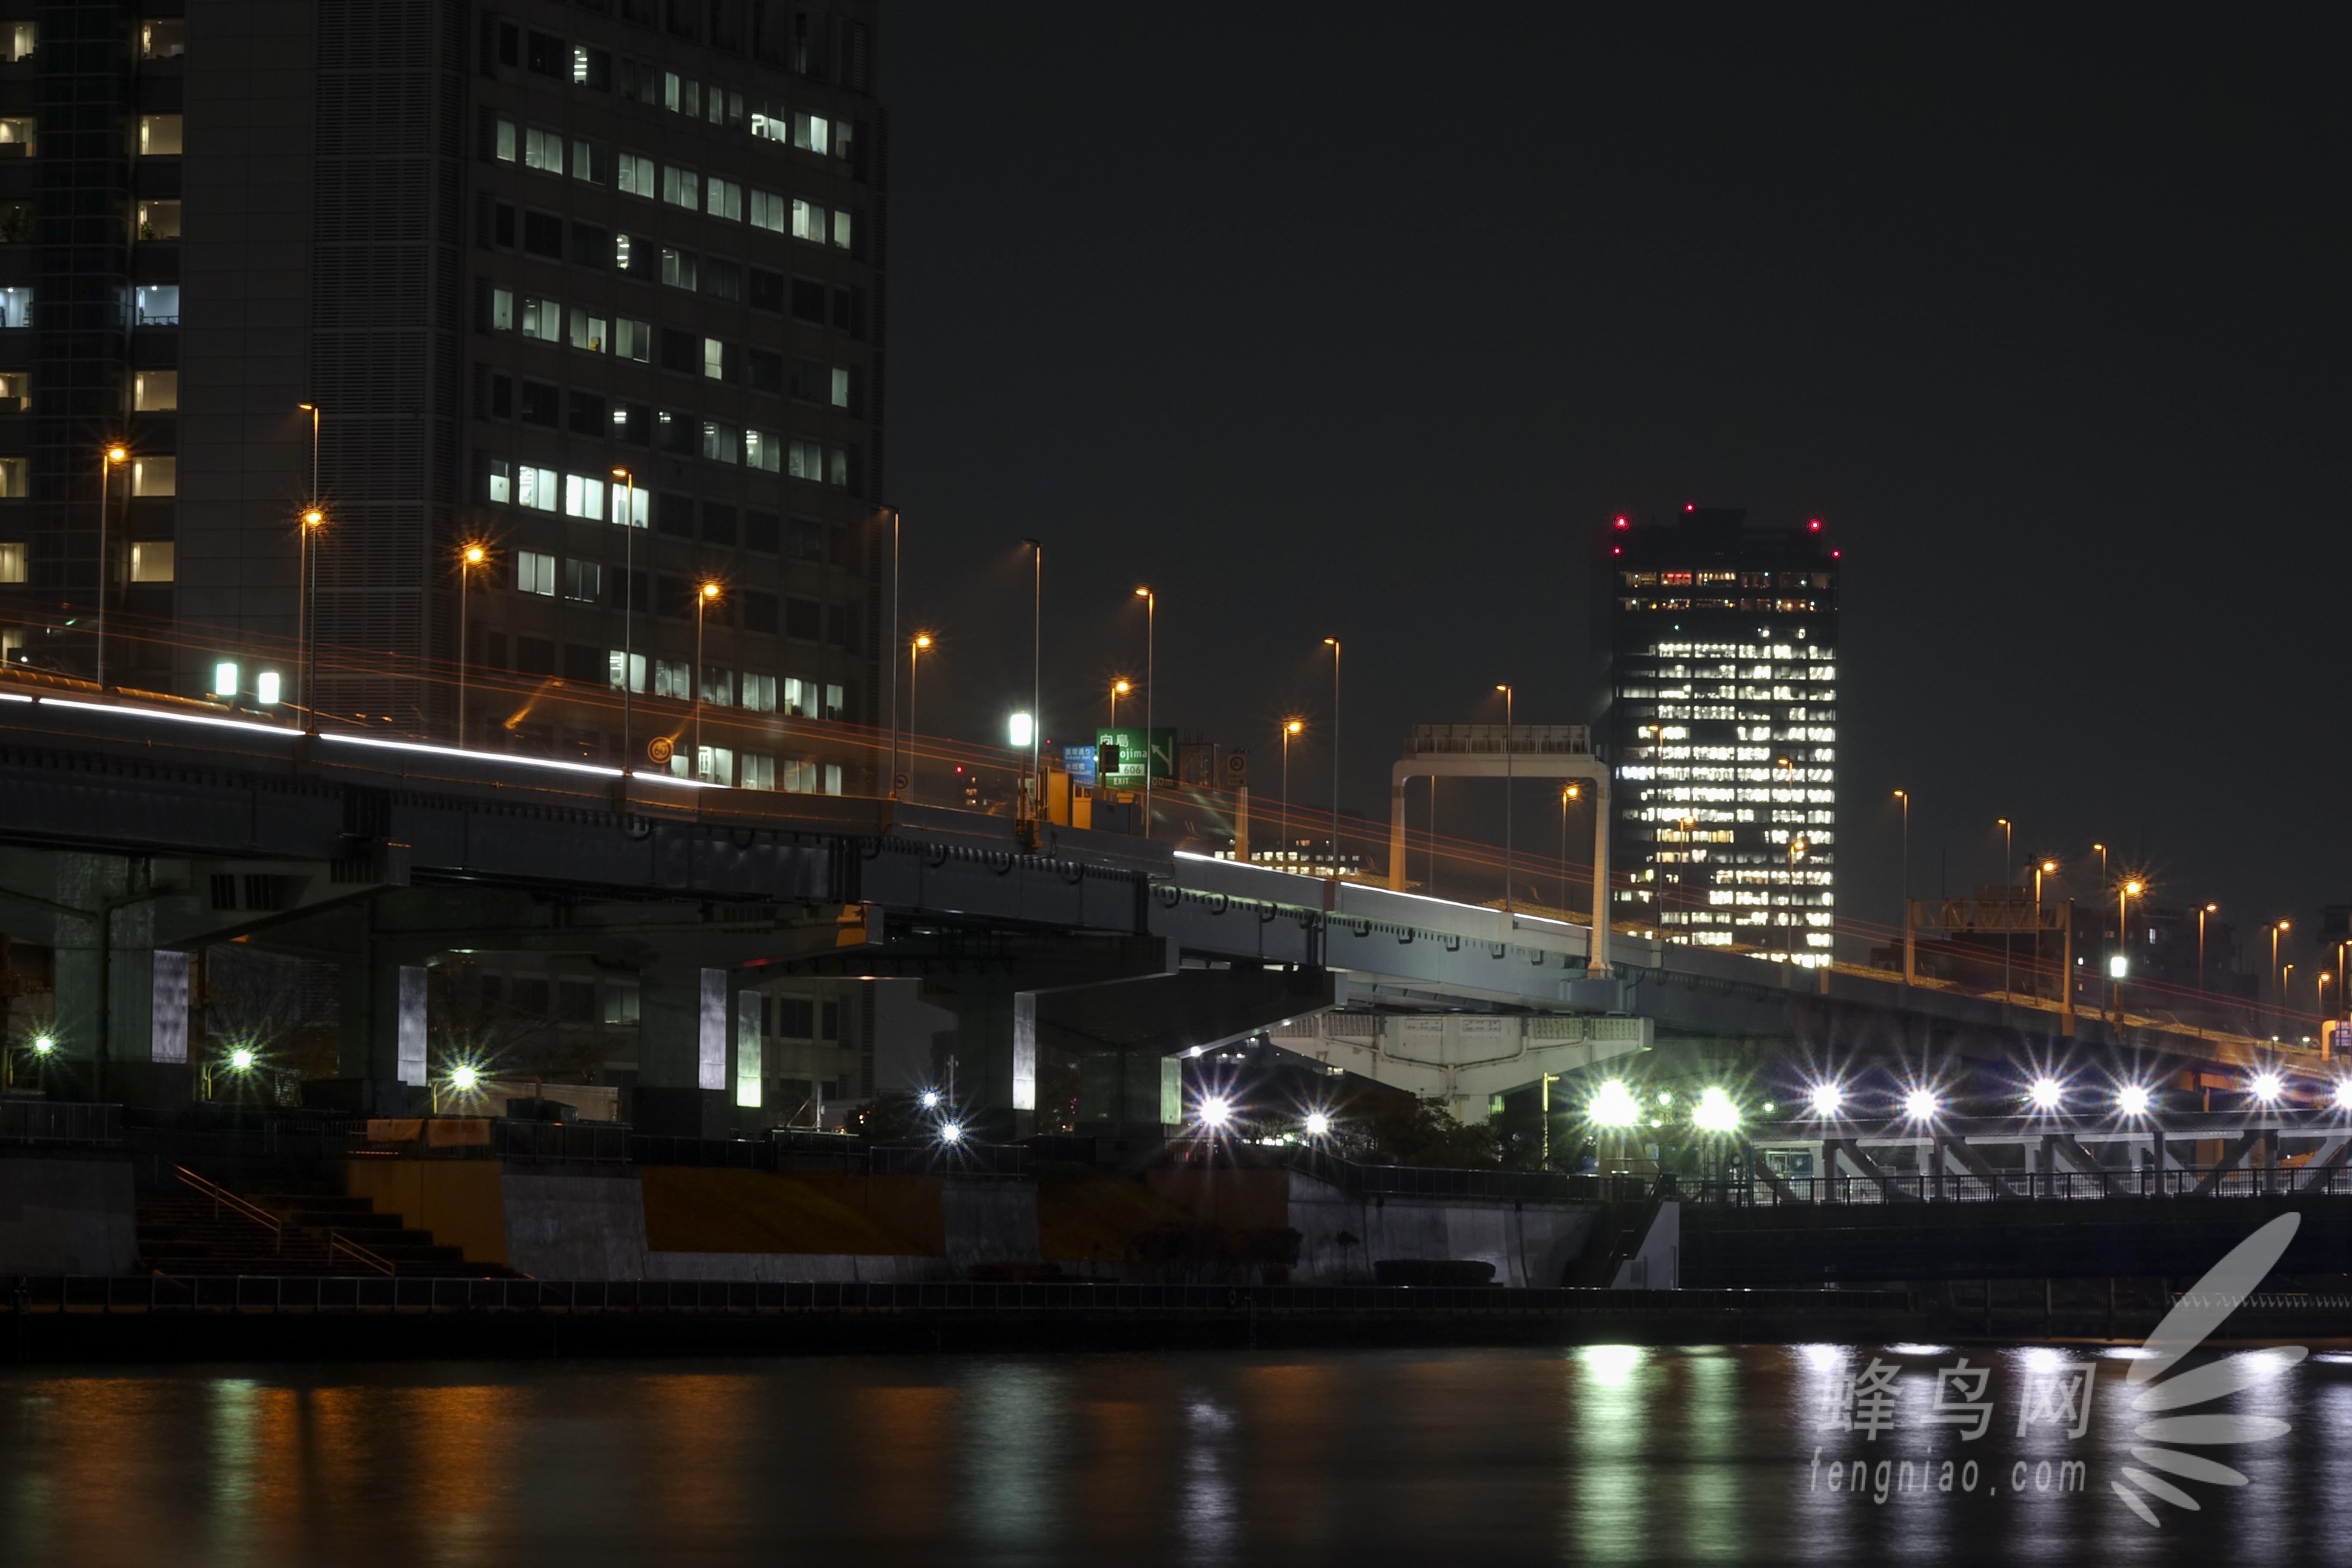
pixel 119 1007
pixel 381 1039
pixel 683 1031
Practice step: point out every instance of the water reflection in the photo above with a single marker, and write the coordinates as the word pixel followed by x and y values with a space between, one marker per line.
pixel 1603 1454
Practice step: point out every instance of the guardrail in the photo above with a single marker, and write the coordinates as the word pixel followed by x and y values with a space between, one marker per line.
pixel 379 1296
pixel 814 1154
pixel 1428 1182
pixel 59 1122
pixel 2017 1187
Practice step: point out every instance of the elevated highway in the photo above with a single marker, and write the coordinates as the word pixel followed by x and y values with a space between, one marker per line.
pixel 132 833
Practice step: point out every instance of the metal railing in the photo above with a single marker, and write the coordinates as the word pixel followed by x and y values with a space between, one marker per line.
pixel 379 1296
pixel 2019 1187
pixel 59 1121
pixel 814 1154
pixel 246 1209
pixel 1432 1181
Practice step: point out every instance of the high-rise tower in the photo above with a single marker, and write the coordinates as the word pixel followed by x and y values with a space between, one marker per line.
pixel 1721 723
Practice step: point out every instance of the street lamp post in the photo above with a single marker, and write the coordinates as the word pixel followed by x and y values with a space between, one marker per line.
pixel 306 573
pixel 894 662
pixel 2276 927
pixel 1910 964
pixel 1150 691
pixel 1290 728
pixel 2202 912
pixel 1119 689
pixel 707 596
pixel 2130 888
pixel 1568 791
pixel 917 646
pixel 1333 644
pixel 1796 853
pixel 2008 909
pixel 114 456
pixel 472 556
pixel 628 608
pixel 1508 764
pixel 1036 678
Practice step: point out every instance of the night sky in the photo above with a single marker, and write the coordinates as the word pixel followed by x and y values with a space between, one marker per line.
pixel 1354 320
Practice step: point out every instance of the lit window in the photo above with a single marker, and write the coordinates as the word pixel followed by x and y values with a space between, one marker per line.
pixel 808 221
pixel 159 220
pixel 721 443
pixel 538 488
pixel 714 764
pixel 681 187
pixel 635 176
pixel 637 503
pixel 17 42
pixel 544 149
pixel 154 476
pixel 503 140
pixel 11 561
pixel 760 692
pixel 15 306
pixel 16 137
pixel 634 339
pixel 158 304
pixel 501 480
pixel 672 678
pixel 678 269
pixel 589 332
pixel 534 573
pixel 724 198
pixel 151 560
pixel 714 359
pixel 759 771
pixel 636 668
pixel 589 162
pixel 544 320
pixel 812 132
pixel 840 389
pixel 763 449
pixel 583 497
pixel 155 390
pixel 719 686
pixel 502 310
pixel 769 211
pixel 841 227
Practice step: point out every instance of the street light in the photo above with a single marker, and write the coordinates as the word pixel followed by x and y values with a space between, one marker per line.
pixel 1291 728
pixel 917 646
pixel 1910 971
pixel 1119 689
pixel 1333 644
pixel 1921 1105
pixel 2202 912
pixel 1825 1098
pixel 2046 1093
pixel 2008 909
pixel 704 598
pixel 1797 848
pixel 2130 888
pixel 115 456
pixel 472 557
pixel 1507 695
pixel 1613 1105
pixel 2276 927
pixel 628 606
pixel 306 573
pixel 2133 1099
pixel 1150 689
pixel 1571 791
pixel 2266 1087
pixel 1036 678
pixel 1318 1124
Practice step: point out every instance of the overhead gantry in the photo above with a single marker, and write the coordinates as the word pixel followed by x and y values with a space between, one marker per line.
pixel 1510 752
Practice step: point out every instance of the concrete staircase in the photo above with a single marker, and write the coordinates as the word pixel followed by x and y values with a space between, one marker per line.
pixel 206 1229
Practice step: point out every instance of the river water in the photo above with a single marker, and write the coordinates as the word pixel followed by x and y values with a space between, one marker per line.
pixel 1597 1454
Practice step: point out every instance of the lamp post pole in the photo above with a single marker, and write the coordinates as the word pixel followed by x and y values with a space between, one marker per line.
pixel 628 609
pixel 1508 764
pixel 2276 927
pixel 2204 910
pixel 1910 966
pixel 1150 689
pixel 916 646
pixel 894 663
pixel 2007 905
pixel 702 602
pixel 1036 678
pixel 472 556
pixel 305 569
pixel 1568 791
pixel 1333 644
pixel 113 456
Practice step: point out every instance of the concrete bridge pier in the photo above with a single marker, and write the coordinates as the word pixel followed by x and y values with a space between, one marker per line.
pixel 117 1013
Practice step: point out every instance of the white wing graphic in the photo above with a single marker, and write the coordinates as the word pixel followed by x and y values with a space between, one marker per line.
pixel 2201 1310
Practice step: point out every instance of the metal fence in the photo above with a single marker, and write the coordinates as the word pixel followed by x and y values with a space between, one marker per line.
pixel 1431 1182
pixel 377 1294
pixel 816 1154
pixel 59 1121
pixel 2016 1186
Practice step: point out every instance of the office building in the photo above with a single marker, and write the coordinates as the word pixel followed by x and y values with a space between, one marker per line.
pixel 503 251
pixel 1721 719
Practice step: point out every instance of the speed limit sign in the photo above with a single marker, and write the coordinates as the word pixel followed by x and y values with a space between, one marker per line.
pixel 900 782
pixel 659 751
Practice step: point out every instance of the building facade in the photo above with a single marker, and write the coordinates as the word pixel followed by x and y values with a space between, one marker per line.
pixel 1721 719
pixel 566 318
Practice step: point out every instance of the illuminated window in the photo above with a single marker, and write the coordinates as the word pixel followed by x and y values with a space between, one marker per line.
pixel 154 476
pixel 153 560
pixel 159 135
pixel 12 561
